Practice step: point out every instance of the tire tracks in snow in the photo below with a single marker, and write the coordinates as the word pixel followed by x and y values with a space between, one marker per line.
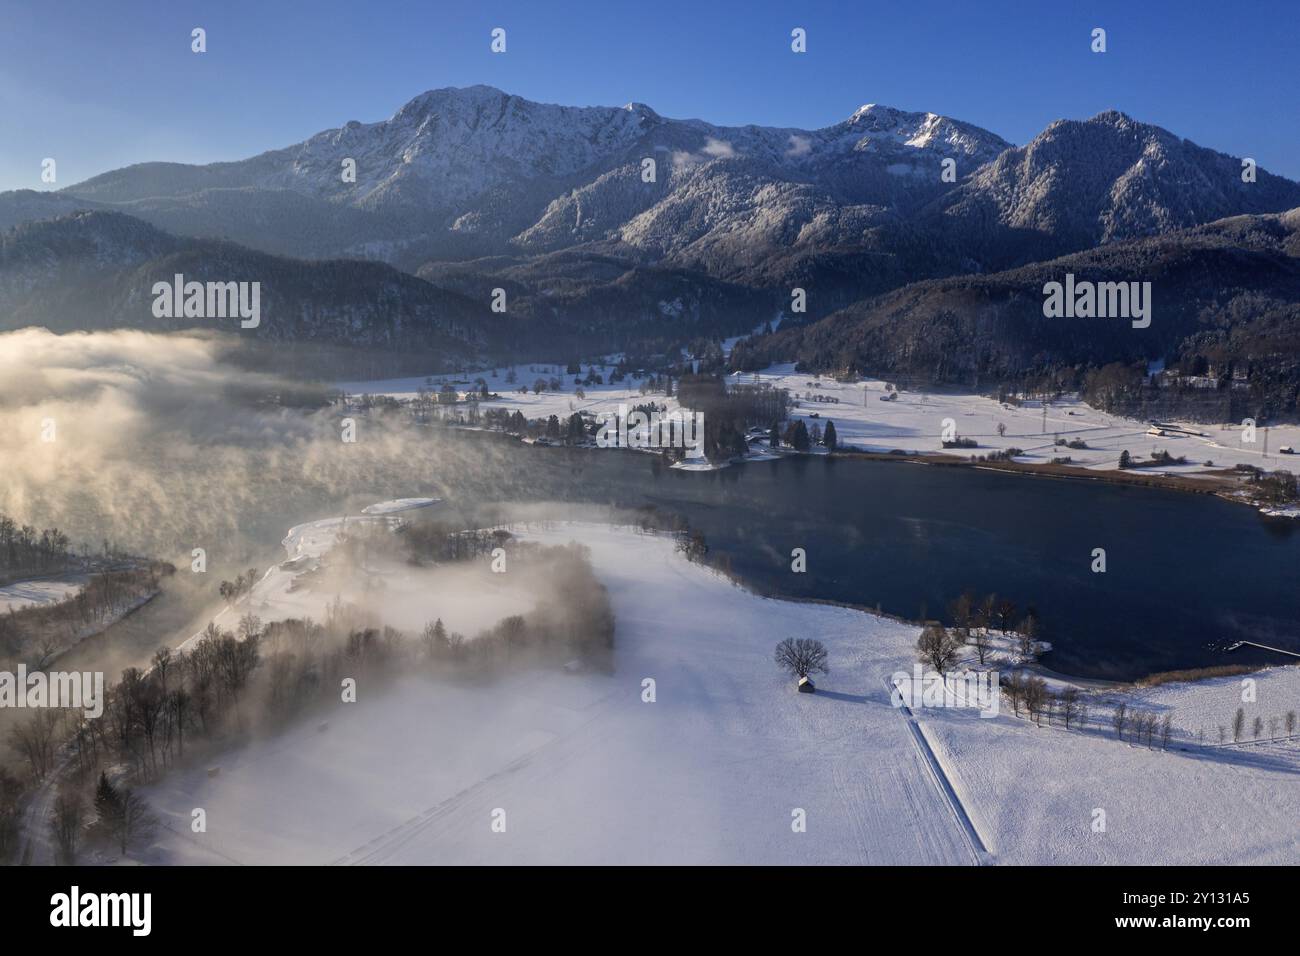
pixel 384 846
pixel 974 842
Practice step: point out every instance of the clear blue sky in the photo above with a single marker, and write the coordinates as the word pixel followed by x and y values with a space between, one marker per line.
pixel 98 84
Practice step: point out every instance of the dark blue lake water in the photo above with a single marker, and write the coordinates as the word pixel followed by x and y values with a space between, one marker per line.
pixel 1186 574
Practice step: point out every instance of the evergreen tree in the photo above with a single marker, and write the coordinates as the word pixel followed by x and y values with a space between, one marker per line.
pixel 799 438
pixel 577 430
pixel 829 438
pixel 108 803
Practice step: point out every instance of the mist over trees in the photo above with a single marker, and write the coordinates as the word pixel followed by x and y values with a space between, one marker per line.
pixel 227 686
pixel 34 634
pixel 26 550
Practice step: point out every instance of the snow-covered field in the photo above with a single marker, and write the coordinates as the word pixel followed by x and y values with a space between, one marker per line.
pixel 21 594
pixel 914 422
pixel 467 600
pixel 562 404
pixel 716 768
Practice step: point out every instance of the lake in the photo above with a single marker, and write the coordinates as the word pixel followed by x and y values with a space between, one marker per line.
pixel 1185 574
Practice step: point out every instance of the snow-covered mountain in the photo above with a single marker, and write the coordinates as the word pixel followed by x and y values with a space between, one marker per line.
pixel 1083 183
pixel 447 147
pixel 462 172
pixel 474 189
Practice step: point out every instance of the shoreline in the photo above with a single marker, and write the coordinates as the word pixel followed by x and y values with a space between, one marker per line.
pixel 1035 666
pixel 1219 484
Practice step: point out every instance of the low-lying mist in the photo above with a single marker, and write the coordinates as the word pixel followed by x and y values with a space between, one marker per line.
pixel 159 444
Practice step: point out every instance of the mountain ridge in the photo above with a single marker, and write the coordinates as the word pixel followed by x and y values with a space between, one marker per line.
pixel 619 228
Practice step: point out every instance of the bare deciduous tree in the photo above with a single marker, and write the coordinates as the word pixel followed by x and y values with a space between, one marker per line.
pixel 65 825
pixel 34 739
pixel 1069 705
pixel 1014 688
pixel 937 647
pixel 801 656
pixel 1150 722
pixel 963 616
pixel 134 821
pixel 1036 698
pixel 988 610
pixel 10 791
pixel 1028 634
pixel 1004 613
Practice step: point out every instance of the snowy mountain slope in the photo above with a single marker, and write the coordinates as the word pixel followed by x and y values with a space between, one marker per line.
pixel 457 173
pixel 450 145
pixel 1082 183
pixel 1225 305
pixel 468 171
pixel 486 190
pixel 462 173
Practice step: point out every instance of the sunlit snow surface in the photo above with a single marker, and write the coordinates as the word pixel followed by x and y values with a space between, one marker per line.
pixel 915 421
pixel 21 594
pixel 713 770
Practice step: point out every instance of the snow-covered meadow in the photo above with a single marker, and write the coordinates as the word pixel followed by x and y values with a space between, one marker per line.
pixel 581 768
pixel 596 399
pixel 466 600
pixel 913 422
pixel 22 594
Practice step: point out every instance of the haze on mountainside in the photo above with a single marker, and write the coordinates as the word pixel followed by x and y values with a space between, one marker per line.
pixel 463 191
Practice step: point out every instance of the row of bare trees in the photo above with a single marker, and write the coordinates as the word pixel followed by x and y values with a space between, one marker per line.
pixel 24 549
pixel 1142 726
pixel 38 632
pixel 1030 695
pixel 975 617
pixel 267 675
pixel 243 583
pixel 1275 723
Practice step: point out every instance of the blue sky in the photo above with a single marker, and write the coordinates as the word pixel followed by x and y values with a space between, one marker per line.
pixel 97 85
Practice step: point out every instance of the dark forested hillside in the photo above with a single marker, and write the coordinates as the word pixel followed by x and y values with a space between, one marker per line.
pixel 1225 326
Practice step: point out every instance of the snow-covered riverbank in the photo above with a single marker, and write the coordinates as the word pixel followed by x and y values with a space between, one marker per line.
pixel 718 767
